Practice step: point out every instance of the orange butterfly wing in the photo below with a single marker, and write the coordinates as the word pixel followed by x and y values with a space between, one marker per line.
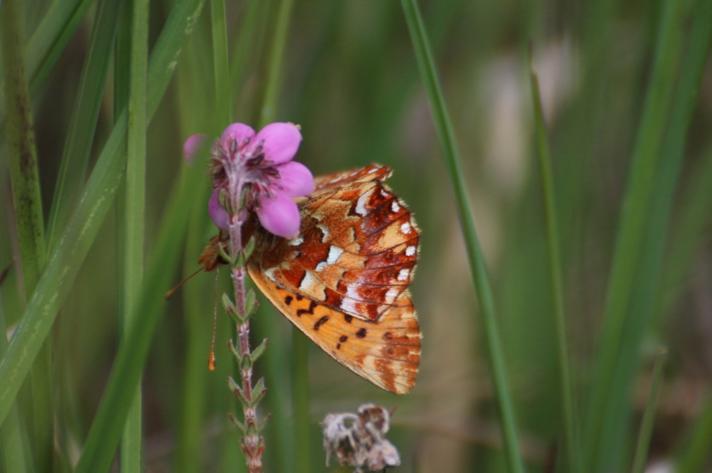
pixel 344 280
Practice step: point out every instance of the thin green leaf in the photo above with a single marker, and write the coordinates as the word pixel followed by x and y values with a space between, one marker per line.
pixel 281 433
pixel 84 225
pixel 24 174
pixel 12 432
pixel 49 40
pixel 135 215
pixel 276 59
pixel 300 402
pixel 570 425
pixel 695 453
pixel 646 426
pixel 82 124
pixel 27 200
pixel 221 70
pixel 441 119
pixel 108 423
pixel 643 229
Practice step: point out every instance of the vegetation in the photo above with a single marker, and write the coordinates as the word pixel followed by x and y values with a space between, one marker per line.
pixel 557 158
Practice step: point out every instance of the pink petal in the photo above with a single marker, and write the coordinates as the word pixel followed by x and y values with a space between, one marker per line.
pixel 279 215
pixel 238 132
pixel 280 141
pixel 192 145
pixel 295 179
pixel 217 212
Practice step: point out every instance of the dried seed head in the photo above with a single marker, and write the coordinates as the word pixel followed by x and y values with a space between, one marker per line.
pixel 358 440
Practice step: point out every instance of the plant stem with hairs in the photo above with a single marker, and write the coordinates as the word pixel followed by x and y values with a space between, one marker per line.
pixel 249 394
pixel 254 175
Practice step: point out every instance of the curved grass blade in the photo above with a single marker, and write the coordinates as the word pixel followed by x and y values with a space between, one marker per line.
pixel 646 426
pixel 570 425
pixel 27 200
pixel 82 123
pixel 643 228
pixel 106 429
pixel 48 41
pixel 446 135
pixel 12 432
pixel 221 70
pixel 695 453
pixel 280 433
pixel 79 234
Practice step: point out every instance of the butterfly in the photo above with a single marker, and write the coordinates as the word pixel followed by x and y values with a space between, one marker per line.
pixel 343 281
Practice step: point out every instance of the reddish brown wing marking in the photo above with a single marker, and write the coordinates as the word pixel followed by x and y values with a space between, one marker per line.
pixel 357 250
pixel 386 352
pixel 343 281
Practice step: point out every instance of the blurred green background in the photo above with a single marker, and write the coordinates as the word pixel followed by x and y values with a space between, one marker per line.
pixel 349 77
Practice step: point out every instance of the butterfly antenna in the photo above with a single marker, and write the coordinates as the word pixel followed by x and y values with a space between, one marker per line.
pixel 211 355
pixel 169 293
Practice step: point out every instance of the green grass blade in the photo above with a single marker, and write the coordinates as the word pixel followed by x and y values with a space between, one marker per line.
pixel 698 198
pixel 12 445
pixel 193 111
pixel 103 183
pixel 51 37
pixel 197 329
pixel 570 425
pixel 122 60
pixel 82 124
pixel 135 215
pixel 27 199
pixel 108 423
pixel 695 454
pixel 48 41
pixel 446 135
pixel 300 403
pixel 24 174
pixel 281 432
pixel 646 426
pixel 689 232
pixel 643 228
pixel 245 42
pixel 631 223
pixel 221 70
pixel 276 58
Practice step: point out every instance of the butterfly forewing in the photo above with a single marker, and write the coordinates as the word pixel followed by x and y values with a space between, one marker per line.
pixel 343 281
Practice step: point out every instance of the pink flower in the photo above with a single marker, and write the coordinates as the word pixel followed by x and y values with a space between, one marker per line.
pixel 259 169
pixel 192 145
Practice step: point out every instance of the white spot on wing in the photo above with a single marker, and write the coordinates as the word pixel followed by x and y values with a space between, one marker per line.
pixel 352 290
pixel 395 207
pixel 334 253
pixel 269 274
pixel 321 266
pixel 308 281
pixel 410 251
pixel 405 228
pixel 403 274
pixel 391 295
pixel 348 305
pixel 361 204
pixel 325 231
pixel 296 241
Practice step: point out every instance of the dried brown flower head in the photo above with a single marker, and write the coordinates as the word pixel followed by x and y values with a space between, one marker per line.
pixel 359 440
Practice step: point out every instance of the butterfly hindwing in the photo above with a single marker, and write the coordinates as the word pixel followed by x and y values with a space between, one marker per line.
pixel 386 352
pixel 343 281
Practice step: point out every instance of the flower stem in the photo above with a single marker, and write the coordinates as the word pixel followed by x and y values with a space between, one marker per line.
pixel 249 393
